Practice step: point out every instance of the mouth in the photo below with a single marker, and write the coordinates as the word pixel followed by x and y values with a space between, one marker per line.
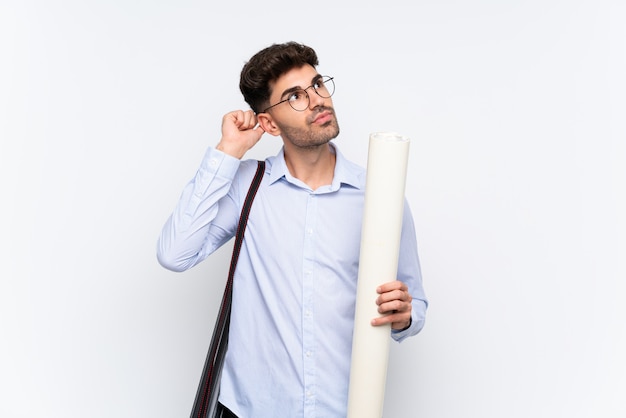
pixel 323 117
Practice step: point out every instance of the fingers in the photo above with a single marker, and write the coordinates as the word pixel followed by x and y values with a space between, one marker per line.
pixel 244 120
pixel 394 285
pixel 394 304
pixel 390 293
pixel 239 132
pixel 399 320
pixel 239 119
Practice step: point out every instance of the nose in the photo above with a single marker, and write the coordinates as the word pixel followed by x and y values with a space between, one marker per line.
pixel 315 99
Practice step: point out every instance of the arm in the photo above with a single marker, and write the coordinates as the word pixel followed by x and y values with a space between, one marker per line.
pixel 402 302
pixel 196 228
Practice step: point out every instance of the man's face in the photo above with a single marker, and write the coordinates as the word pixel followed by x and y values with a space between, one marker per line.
pixel 315 125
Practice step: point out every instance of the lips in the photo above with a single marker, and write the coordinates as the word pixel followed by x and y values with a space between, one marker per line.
pixel 323 117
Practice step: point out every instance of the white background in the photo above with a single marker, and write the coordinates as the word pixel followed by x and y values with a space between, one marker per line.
pixel 516 112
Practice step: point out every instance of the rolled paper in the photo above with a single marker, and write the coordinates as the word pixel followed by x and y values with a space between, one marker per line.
pixel 380 245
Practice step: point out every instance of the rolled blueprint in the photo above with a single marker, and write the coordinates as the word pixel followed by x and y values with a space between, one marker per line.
pixel 380 246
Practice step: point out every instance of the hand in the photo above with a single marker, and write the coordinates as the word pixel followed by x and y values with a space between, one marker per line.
pixel 239 133
pixel 394 303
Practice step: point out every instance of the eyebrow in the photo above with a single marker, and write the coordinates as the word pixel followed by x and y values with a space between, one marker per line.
pixel 296 88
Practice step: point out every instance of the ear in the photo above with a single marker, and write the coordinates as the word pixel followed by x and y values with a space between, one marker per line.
pixel 267 123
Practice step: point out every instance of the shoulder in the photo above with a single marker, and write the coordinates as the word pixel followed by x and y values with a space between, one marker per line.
pixel 247 170
pixel 347 171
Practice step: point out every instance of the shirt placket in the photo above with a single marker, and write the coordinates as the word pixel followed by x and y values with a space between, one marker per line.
pixel 308 307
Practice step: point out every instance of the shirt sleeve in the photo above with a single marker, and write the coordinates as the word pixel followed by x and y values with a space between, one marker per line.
pixel 409 272
pixel 196 227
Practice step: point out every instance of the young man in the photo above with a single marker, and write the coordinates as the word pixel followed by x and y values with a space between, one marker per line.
pixel 294 289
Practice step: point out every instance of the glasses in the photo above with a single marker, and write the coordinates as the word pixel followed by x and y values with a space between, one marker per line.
pixel 299 100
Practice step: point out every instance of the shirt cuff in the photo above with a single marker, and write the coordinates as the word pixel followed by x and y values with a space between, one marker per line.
pixel 216 162
pixel 416 325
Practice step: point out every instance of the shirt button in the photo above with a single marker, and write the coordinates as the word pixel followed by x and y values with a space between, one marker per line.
pixel 212 162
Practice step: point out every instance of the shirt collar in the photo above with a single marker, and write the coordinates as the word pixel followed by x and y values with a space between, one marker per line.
pixel 345 173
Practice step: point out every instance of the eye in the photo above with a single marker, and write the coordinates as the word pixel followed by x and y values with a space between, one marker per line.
pixel 297 96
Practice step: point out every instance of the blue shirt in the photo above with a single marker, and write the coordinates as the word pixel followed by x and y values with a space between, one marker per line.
pixel 294 289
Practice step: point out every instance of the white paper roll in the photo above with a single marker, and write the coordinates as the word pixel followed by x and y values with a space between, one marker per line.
pixel 378 264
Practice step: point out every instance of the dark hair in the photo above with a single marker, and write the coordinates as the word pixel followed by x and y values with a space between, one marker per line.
pixel 268 65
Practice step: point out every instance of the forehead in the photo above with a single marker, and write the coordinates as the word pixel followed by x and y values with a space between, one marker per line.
pixel 300 77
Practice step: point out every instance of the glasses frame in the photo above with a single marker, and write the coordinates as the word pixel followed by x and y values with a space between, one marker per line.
pixel 324 78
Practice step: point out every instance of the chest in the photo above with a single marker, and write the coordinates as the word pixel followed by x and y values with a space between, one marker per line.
pixel 296 224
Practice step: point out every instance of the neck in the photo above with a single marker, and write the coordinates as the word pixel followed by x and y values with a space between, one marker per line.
pixel 314 166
